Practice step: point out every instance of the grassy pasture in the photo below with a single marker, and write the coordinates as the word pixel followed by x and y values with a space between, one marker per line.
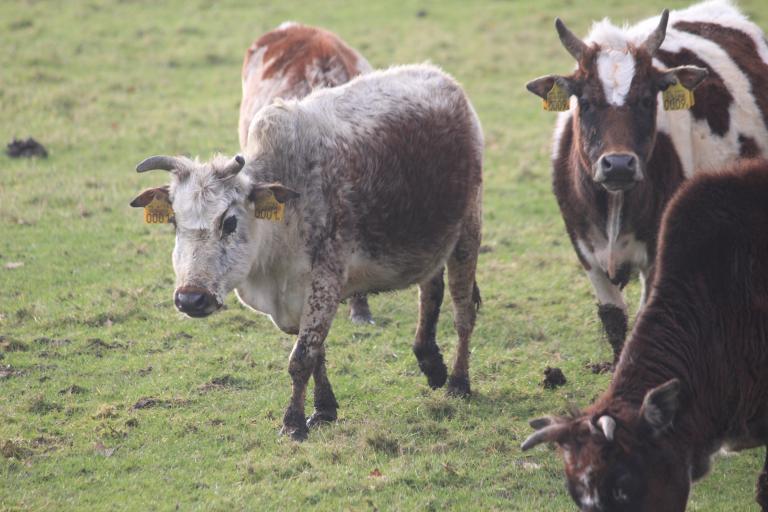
pixel 110 400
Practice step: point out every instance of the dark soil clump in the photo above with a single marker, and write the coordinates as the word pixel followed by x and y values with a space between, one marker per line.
pixel 19 148
pixel 553 377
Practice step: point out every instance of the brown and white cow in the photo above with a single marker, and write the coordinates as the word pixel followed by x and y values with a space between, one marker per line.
pixel 371 186
pixel 290 62
pixel 619 156
pixel 693 377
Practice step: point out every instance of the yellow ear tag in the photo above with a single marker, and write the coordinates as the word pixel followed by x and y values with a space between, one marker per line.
pixel 158 212
pixel 269 208
pixel 557 100
pixel 677 97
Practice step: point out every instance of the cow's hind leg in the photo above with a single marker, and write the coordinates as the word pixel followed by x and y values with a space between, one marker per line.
pixel 359 311
pixel 425 346
pixel 462 266
pixel 762 485
pixel 325 401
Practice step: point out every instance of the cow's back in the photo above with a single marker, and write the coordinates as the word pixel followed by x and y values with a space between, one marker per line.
pixel 389 165
pixel 714 239
pixel 414 165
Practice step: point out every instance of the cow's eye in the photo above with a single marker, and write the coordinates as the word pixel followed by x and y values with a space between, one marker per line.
pixel 584 105
pixel 230 225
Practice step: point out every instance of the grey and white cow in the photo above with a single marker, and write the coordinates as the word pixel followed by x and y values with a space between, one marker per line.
pixel 377 185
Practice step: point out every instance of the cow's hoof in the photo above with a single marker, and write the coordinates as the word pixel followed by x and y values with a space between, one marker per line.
pixel 361 318
pixel 296 433
pixel 321 418
pixel 435 370
pixel 458 387
pixel 431 364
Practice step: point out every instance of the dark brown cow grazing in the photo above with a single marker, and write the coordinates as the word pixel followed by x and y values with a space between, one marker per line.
pixel 693 377
pixel 289 62
pixel 619 156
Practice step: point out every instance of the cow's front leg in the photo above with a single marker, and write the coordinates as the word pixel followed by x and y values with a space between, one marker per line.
pixel 610 308
pixel 309 352
pixel 325 401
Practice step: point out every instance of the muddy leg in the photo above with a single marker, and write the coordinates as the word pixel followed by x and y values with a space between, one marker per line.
pixel 359 311
pixel 316 319
pixel 611 309
pixel 425 346
pixel 762 485
pixel 466 301
pixel 325 401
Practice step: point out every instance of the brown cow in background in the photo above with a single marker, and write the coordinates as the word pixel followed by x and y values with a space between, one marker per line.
pixel 619 155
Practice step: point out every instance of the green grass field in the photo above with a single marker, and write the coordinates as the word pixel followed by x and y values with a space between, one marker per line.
pixel 111 400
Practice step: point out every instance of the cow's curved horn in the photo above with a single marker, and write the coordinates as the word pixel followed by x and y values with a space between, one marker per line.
pixel 607 425
pixel 575 46
pixel 234 166
pixel 544 435
pixel 653 43
pixel 159 162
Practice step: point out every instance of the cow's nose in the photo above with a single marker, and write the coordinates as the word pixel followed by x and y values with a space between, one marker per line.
pixel 618 171
pixel 195 302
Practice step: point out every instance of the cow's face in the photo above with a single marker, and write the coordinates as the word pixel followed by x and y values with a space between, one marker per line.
pixel 621 459
pixel 616 90
pixel 217 232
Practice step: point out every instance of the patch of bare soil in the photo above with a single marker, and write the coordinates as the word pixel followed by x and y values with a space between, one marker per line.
pixel 218 383
pixel 149 401
pixel 598 368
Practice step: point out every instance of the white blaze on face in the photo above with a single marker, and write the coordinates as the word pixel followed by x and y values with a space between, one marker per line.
pixel 590 496
pixel 616 68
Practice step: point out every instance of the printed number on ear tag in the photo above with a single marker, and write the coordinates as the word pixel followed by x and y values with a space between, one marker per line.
pixel 270 208
pixel 557 100
pixel 677 97
pixel 158 212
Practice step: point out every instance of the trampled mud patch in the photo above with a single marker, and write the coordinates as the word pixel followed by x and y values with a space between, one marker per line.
pixel 553 378
pixel 218 383
pixel 28 148
pixel 9 371
pixel 74 389
pixel 98 344
pixel 598 368
pixel 150 401
pixel 52 342
pixel 41 406
pixel 15 449
pixel 8 345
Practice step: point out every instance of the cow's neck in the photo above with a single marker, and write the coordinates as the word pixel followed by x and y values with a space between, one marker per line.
pixel 276 283
pixel 665 345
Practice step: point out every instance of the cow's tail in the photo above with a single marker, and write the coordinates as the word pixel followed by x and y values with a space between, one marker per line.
pixel 476 299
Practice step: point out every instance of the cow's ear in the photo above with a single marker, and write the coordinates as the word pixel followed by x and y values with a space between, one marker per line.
pixel 146 197
pixel 542 85
pixel 689 77
pixel 660 406
pixel 280 192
